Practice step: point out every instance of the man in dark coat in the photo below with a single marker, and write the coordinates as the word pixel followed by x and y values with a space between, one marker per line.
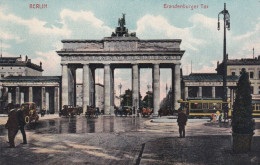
pixel 21 123
pixel 12 126
pixel 182 120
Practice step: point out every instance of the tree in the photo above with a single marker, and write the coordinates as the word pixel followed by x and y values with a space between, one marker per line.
pixel 148 100
pixel 242 122
pixel 127 98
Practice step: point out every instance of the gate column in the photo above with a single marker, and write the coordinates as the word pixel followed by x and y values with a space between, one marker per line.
pixel 135 86
pixel 86 90
pixel 107 89
pixel 156 88
pixel 177 86
pixel 65 92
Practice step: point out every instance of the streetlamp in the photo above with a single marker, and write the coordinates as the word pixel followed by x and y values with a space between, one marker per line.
pixel 166 88
pixel 226 25
pixel 148 87
pixel 120 87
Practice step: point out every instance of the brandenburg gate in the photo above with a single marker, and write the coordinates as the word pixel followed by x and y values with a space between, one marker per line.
pixel 121 50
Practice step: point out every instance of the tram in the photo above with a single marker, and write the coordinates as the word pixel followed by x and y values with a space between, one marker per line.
pixel 256 108
pixel 199 107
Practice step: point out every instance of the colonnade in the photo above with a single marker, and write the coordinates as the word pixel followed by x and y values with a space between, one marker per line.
pixel 88 89
pixel 42 97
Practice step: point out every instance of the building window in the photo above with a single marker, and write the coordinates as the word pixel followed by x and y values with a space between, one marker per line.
pixel 251 74
pixel 233 73
pixel 259 90
pixel 2 75
pixel 258 74
pixel 252 90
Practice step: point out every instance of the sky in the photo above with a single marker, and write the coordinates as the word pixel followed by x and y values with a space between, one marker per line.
pixel 38 32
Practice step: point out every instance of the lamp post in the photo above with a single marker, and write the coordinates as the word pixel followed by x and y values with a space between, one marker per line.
pixel 226 25
pixel 120 87
pixel 148 87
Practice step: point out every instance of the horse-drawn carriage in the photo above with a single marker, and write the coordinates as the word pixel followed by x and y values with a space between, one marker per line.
pixel 146 112
pixel 164 112
pixel 30 113
pixel 123 111
pixel 69 110
pixel 92 111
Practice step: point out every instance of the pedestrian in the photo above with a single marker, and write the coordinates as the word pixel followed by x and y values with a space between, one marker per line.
pixel 12 126
pixel 182 120
pixel 21 123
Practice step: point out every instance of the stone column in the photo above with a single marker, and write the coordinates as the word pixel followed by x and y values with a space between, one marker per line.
pixel 65 92
pixel 47 104
pixel 186 94
pixel 107 89
pixel 156 88
pixel 72 86
pixel 22 98
pixel 56 99
pixel 231 97
pixel 228 92
pixel 177 86
pixel 17 95
pixel 43 98
pixel 30 94
pixel 200 92
pixel 92 86
pixel 112 91
pixel 213 92
pixel 9 97
pixel 85 87
pixel 1 90
pixel 135 85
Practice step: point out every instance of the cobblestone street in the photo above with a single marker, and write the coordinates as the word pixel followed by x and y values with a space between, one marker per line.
pixel 125 140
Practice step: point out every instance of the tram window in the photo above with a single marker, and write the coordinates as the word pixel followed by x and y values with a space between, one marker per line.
pixel 205 105
pixel 196 105
pixel 218 106
pixel 211 106
pixel 257 107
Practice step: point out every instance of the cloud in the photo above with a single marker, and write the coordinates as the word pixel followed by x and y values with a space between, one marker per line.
pixel 7 36
pixel 50 62
pixel 35 26
pixel 84 24
pixel 150 26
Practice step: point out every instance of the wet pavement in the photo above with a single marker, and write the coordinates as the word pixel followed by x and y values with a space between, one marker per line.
pixel 125 140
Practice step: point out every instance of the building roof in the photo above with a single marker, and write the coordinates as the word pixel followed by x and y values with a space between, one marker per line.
pixel 208 77
pixel 31 79
pixel 17 61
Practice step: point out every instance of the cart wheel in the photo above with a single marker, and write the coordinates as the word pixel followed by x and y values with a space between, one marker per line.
pixel 27 119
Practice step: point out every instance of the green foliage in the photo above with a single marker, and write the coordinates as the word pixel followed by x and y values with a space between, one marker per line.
pixel 242 113
pixel 148 100
pixel 127 98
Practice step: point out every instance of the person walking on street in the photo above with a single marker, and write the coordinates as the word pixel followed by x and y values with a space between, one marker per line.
pixel 182 120
pixel 21 123
pixel 12 126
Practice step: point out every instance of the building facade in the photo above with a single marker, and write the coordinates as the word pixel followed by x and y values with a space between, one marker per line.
pixel 22 81
pixel 252 66
pixel 15 66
